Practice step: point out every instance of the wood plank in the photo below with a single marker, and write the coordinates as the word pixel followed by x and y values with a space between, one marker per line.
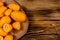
pixel 44 23
pixel 40 37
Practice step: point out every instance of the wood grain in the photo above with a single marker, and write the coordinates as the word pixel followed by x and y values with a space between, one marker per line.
pixel 44 19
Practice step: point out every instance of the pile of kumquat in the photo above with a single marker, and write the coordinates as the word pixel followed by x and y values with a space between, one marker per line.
pixel 10 19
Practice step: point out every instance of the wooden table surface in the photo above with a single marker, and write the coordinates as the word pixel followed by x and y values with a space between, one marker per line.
pixel 44 19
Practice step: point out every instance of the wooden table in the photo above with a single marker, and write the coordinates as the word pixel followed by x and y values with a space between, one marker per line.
pixel 44 19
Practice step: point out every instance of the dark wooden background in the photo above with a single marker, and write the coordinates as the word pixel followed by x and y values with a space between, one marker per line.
pixel 44 19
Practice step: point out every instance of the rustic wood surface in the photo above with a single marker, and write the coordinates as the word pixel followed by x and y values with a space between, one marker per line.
pixel 44 19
